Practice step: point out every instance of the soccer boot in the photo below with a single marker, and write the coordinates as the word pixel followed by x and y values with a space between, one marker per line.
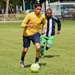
pixel 47 48
pixel 22 64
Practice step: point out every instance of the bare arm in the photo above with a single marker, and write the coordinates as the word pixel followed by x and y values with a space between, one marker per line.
pixel 44 25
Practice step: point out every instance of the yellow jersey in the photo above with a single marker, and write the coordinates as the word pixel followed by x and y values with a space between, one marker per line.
pixel 34 19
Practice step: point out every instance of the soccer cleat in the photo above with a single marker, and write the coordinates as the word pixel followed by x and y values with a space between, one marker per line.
pixel 22 64
pixel 47 48
pixel 42 56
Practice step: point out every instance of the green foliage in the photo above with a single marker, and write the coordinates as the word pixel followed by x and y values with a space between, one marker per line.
pixel 59 60
pixel 21 16
pixel 1 19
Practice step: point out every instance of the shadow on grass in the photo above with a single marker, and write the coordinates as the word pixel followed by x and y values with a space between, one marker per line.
pixel 51 56
pixel 28 65
pixel 41 64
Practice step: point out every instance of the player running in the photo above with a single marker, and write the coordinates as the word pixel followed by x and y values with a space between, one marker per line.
pixel 50 31
pixel 31 25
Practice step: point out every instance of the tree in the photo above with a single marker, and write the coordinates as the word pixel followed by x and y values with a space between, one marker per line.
pixel 11 3
pixel 14 3
pixel 7 5
pixel 2 4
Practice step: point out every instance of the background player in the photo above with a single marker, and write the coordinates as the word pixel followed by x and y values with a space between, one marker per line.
pixel 50 31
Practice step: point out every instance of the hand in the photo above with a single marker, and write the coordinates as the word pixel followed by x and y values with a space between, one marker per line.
pixel 58 32
pixel 29 25
pixel 43 31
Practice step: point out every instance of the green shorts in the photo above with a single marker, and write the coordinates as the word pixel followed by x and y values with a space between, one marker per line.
pixel 45 39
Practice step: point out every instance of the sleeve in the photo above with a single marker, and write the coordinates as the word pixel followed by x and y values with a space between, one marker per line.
pixel 58 23
pixel 25 21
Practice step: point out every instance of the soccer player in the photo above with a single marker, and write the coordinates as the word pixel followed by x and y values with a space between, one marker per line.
pixel 50 31
pixel 31 25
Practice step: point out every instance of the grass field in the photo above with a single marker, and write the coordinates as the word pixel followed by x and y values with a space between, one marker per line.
pixel 59 60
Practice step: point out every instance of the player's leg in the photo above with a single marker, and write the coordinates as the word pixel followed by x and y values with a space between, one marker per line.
pixel 24 51
pixel 37 46
pixel 49 42
pixel 36 41
pixel 26 44
pixel 42 42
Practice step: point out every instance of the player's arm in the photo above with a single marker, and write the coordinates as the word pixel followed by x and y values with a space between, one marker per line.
pixel 43 25
pixel 25 22
pixel 58 24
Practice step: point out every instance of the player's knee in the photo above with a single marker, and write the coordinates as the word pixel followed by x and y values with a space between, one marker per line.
pixel 25 50
pixel 37 48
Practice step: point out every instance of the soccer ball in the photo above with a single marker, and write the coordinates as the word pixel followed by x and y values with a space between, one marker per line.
pixel 35 67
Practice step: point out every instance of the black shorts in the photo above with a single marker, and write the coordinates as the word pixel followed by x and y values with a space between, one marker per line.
pixel 35 38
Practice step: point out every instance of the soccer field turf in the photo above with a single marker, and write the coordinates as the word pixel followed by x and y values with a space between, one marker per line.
pixel 59 60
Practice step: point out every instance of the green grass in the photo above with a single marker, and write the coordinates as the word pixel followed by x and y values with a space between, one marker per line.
pixel 59 60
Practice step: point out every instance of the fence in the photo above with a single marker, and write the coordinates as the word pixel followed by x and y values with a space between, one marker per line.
pixel 11 18
pixel 64 10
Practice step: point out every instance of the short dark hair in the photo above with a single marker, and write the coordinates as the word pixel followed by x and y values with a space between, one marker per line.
pixel 49 9
pixel 37 5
